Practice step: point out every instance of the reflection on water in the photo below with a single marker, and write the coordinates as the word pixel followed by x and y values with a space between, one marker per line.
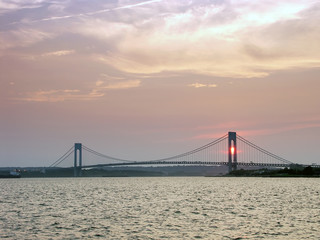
pixel 160 208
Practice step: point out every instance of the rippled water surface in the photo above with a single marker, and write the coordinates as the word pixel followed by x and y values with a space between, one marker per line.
pixel 160 208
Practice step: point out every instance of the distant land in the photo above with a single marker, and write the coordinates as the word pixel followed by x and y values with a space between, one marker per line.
pixel 207 171
pixel 122 171
pixel 285 172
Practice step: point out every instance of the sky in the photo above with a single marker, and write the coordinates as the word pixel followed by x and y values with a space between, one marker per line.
pixel 149 79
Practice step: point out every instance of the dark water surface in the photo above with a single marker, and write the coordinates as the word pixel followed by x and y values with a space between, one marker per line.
pixel 160 208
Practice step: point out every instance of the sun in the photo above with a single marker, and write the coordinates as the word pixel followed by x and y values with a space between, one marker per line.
pixel 232 150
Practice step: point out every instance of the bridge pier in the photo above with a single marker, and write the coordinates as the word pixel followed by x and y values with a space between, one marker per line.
pixel 77 159
pixel 232 151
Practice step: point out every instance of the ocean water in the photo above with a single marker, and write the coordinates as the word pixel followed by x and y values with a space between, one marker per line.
pixel 160 208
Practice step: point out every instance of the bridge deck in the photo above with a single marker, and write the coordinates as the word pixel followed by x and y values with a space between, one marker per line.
pixel 192 163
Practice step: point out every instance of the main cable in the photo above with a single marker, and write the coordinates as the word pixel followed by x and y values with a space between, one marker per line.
pixel 161 159
pixel 63 157
pixel 264 151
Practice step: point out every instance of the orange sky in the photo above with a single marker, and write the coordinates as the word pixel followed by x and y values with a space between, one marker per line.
pixel 150 79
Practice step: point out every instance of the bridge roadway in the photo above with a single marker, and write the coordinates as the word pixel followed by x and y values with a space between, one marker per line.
pixel 193 163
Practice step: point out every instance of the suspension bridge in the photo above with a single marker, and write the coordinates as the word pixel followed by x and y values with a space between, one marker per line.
pixel 231 150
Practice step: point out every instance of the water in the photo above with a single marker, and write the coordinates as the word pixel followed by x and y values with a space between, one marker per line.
pixel 160 208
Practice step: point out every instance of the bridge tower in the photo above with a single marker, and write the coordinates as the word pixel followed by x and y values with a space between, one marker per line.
pixel 232 151
pixel 77 160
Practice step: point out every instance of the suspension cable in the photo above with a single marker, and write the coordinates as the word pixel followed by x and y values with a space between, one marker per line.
pixel 103 155
pixel 161 159
pixel 63 157
pixel 193 151
pixel 263 150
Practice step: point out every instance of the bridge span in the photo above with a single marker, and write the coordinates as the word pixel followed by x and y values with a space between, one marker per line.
pixel 230 150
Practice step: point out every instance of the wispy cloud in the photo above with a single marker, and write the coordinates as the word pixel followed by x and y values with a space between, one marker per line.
pixel 16 5
pixel 113 82
pixel 123 85
pixel 59 53
pixel 200 85
pixel 68 16
pixel 53 95
pixel 94 93
pixel 23 37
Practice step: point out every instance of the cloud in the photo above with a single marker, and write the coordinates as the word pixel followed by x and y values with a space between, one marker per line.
pixel 238 39
pixel 53 95
pixel 123 85
pixel 60 7
pixel 196 41
pixel 6 6
pixel 96 92
pixel 197 85
pixel 60 96
pixel 104 30
pixel 200 85
pixel 59 53
pixel 22 37
pixel 99 83
pixel 137 4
